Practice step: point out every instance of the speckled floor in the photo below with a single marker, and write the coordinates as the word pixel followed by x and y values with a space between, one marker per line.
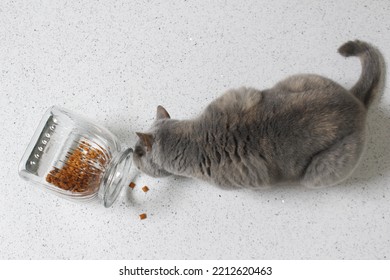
pixel 115 61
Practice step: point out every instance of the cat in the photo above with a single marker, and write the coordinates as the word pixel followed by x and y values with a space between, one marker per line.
pixel 306 130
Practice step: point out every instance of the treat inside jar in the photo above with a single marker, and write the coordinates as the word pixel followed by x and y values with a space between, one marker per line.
pixel 81 170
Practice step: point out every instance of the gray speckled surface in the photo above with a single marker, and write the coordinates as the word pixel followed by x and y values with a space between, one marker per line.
pixel 116 61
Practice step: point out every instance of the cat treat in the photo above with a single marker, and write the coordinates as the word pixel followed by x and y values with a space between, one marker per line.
pixel 79 172
pixel 143 216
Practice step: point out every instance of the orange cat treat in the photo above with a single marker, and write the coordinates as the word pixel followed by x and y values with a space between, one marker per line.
pixel 132 185
pixel 145 189
pixel 82 170
pixel 142 216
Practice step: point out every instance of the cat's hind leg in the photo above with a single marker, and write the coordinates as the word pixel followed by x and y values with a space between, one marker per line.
pixel 336 163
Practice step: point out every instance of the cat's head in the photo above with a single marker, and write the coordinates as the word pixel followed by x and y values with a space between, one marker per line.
pixel 146 154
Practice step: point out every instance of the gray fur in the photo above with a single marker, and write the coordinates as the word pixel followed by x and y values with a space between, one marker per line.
pixel 307 129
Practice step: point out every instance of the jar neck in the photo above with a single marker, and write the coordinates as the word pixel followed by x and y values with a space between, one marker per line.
pixel 118 174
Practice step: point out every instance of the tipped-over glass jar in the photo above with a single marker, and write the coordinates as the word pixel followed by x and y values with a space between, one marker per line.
pixel 76 159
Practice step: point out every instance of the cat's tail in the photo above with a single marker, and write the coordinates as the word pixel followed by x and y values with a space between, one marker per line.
pixel 371 79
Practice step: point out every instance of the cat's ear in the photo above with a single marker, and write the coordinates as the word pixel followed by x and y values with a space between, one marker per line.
pixel 146 139
pixel 162 113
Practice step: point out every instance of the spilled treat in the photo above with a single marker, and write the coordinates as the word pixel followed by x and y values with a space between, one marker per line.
pixel 143 216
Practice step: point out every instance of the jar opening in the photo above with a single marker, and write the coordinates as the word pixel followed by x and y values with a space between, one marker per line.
pixel 117 176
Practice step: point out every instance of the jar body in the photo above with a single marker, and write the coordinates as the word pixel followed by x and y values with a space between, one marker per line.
pixel 75 158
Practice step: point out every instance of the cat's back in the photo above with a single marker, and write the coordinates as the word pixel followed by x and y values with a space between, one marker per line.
pixel 286 125
pixel 310 102
pixel 301 121
pixel 311 106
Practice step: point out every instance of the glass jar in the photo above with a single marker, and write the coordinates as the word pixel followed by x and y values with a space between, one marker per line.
pixel 76 159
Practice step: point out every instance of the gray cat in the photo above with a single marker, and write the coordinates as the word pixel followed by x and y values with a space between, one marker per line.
pixel 307 129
